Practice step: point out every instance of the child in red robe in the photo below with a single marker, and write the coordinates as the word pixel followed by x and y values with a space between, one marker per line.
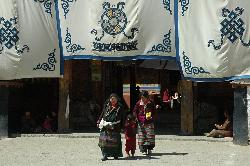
pixel 130 135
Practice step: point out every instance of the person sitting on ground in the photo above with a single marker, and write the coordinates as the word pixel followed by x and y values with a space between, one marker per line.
pixel 28 123
pixel 224 130
pixel 54 121
pixel 47 124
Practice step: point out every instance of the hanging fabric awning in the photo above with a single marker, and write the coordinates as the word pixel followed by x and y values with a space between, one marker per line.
pixel 214 39
pixel 28 40
pixel 210 40
pixel 159 64
pixel 117 30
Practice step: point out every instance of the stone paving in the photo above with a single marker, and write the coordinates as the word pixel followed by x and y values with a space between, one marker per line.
pixel 158 137
pixel 80 149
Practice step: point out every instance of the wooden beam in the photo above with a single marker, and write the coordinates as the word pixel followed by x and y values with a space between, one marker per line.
pixel 187 110
pixel 64 90
pixel 240 83
pixel 11 84
pixel 133 94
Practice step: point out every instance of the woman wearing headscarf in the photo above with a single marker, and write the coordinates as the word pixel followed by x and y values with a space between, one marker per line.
pixel 144 111
pixel 110 123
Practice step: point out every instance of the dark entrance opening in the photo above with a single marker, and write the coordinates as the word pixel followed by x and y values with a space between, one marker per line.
pixel 31 103
pixel 154 77
pixel 211 100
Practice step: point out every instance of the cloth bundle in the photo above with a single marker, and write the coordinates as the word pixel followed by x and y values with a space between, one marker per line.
pixel 104 123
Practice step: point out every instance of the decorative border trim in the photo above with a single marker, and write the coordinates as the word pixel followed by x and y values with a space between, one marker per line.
pixel 189 69
pixel 165 47
pixel 167 6
pixel 184 6
pixel 50 65
pixel 59 37
pixel 71 48
pixel 65 6
pixel 47 4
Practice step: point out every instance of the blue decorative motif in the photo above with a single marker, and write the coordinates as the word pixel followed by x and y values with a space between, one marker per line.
pixel 72 48
pixel 8 33
pixel 65 6
pixel 184 6
pixel 113 20
pixel 94 31
pixel 233 27
pixel 107 47
pixel 166 4
pixel 20 51
pixel 189 69
pixel 48 66
pixel 47 4
pixel 165 47
pixel 133 31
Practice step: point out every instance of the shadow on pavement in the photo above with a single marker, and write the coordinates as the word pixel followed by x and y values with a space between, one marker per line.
pixel 173 153
pixel 139 158
pixel 152 156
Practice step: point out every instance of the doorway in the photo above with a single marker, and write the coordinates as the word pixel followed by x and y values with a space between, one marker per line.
pixel 155 80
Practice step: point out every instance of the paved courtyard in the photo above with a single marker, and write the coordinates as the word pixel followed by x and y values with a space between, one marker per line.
pixel 75 151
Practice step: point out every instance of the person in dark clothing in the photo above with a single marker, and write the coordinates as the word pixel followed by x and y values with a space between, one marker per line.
pixel 54 121
pixel 110 123
pixel 138 92
pixel 28 123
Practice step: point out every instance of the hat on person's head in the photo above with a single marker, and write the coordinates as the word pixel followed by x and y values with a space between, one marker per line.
pixel 113 95
pixel 145 94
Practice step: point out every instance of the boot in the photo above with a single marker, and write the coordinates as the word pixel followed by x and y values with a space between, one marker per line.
pixel 149 152
pixel 104 158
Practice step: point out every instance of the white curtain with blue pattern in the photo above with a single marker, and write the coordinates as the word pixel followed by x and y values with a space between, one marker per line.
pixel 117 29
pixel 214 39
pixel 28 39
pixel 9 58
pixel 38 39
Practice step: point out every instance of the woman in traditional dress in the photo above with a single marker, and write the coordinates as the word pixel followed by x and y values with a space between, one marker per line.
pixel 110 123
pixel 144 111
